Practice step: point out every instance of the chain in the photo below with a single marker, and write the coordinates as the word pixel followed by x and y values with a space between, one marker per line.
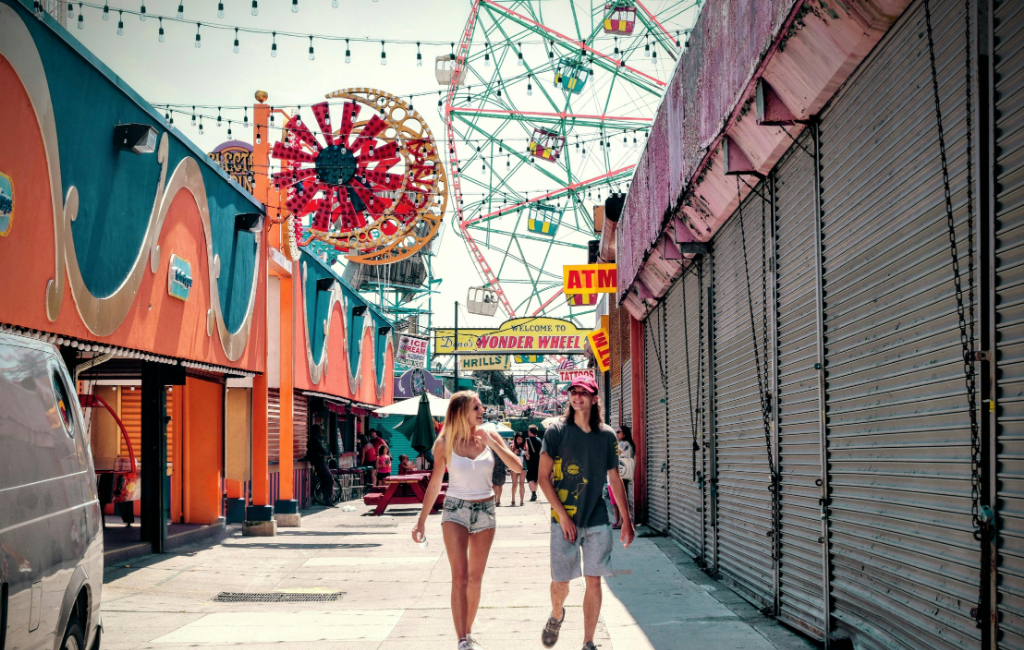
pixel 981 516
pixel 762 378
pixel 689 382
pixel 696 415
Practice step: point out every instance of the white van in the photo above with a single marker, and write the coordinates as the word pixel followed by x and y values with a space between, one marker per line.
pixel 51 537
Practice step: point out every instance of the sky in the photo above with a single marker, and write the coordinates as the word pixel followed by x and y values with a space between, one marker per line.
pixel 177 72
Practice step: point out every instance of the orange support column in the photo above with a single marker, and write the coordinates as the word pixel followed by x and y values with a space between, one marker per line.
pixel 286 509
pixel 259 516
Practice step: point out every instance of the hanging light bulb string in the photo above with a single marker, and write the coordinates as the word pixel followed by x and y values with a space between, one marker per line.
pixel 180 17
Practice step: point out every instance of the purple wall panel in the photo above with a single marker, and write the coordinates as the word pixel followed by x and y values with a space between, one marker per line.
pixel 729 42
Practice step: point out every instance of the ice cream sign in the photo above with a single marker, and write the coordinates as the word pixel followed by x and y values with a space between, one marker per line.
pixel 179 278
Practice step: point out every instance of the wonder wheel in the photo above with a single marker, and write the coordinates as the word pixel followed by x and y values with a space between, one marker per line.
pixel 548 108
pixel 371 188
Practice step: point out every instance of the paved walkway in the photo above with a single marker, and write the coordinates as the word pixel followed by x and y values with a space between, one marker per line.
pixel 395 595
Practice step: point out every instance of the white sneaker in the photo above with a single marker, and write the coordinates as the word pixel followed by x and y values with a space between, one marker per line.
pixel 473 643
pixel 464 645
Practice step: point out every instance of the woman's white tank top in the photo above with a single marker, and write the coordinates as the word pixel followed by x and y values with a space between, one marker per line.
pixel 470 478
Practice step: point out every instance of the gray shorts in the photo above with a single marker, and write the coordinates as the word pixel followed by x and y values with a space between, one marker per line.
pixel 474 516
pixel 594 543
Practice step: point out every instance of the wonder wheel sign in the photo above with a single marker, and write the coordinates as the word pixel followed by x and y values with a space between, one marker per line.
pixel 547 111
pixel 370 186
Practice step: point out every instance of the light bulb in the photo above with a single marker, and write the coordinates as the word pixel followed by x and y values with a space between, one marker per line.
pixel 529 88
pixel 106 12
pixel 245 120
pixel 235 48
pixel 487 59
pixel 71 11
pixel 259 137
pixel 181 11
pixel 142 13
pixel 419 60
pixel 383 58
pixel 273 49
pixel 81 20
pixel 255 8
pixel 334 4
pixel 161 36
pixel 311 54
pixel 295 6
pixel 199 41
pixel 200 128
pixel 520 61
pixel 348 56
pixel 220 10
pixel 120 26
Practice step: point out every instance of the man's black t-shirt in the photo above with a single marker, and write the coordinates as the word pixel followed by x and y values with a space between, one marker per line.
pixel 533 445
pixel 581 463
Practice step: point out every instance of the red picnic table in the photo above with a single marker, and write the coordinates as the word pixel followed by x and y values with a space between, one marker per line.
pixel 414 492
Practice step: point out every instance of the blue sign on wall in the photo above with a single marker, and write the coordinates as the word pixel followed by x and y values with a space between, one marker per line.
pixel 179 278
pixel 6 204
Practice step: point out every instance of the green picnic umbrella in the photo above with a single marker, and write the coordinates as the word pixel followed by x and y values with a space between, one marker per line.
pixel 419 429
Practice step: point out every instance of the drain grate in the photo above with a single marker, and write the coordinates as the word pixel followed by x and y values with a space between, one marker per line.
pixel 276 597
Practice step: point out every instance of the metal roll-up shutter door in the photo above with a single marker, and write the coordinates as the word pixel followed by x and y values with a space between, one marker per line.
pixel 678 415
pixel 274 425
pixel 744 501
pixel 801 582
pixel 1009 81
pixel 657 450
pixel 300 424
pixel 905 563
pixel 686 524
pixel 626 393
pixel 131 418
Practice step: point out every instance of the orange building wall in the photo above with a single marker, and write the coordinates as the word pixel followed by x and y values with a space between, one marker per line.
pixel 157 323
pixel 202 447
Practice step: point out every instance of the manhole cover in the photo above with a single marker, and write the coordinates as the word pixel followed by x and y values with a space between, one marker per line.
pixel 276 597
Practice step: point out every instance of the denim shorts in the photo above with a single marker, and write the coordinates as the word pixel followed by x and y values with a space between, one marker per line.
pixel 474 516
pixel 594 544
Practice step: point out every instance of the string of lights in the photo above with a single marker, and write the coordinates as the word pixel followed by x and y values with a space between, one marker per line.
pixel 179 17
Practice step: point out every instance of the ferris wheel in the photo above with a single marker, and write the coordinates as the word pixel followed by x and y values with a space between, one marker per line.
pixel 548 108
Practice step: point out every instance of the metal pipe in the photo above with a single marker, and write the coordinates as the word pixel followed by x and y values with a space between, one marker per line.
pixel 713 459
pixel 822 385
pixel 773 367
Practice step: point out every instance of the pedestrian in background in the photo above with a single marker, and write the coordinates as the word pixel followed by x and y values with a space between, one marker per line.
pixel 580 453
pixel 383 464
pixel 533 445
pixel 466 450
pixel 627 463
pixel 498 478
pixel 519 480
pixel 316 455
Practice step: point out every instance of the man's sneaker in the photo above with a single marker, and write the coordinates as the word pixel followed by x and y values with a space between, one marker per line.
pixel 534 497
pixel 589 645
pixel 549 637
pixel 464 645
pixel 473 643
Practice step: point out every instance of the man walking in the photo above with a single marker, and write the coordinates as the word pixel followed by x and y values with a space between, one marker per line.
pixel 533 445
pixel 579 454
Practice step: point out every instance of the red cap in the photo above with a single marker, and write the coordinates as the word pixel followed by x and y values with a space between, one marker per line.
pixel 585 382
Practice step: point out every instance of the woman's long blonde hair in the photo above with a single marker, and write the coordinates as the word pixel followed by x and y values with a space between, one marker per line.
pixel 457 428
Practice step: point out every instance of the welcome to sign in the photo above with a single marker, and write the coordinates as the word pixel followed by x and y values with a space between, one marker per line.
pixel 517 336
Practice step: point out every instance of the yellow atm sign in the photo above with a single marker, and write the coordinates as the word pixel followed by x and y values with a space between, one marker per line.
pixel 589 278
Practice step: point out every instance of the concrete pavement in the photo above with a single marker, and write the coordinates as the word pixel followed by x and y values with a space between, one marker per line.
pixel 371 587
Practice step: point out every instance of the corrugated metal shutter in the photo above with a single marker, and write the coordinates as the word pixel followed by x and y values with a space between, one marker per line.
pixel 906 566
pixel 627 393
pixel 274 425
pixel 686 400
pixel 131 418
pixel 1009 80
pixel 657 447
pixel 300 424
pixel 801 582
pixel 744 502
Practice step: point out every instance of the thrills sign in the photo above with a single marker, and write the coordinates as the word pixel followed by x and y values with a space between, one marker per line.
pixel 602 347
pixel 589 279
pixel 484 362
pixel 519 336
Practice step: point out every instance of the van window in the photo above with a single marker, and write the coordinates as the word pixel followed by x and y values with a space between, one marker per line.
pixel 64 407
pixel 34 436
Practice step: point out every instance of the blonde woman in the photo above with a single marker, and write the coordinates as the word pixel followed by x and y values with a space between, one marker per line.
pixel 466 450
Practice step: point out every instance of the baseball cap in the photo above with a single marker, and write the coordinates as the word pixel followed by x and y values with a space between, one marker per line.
pixel 586 383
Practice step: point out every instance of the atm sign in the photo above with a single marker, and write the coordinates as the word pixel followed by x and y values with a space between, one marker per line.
pixel 589 278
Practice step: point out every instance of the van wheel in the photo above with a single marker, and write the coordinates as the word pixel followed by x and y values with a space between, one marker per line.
pixel 74 638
